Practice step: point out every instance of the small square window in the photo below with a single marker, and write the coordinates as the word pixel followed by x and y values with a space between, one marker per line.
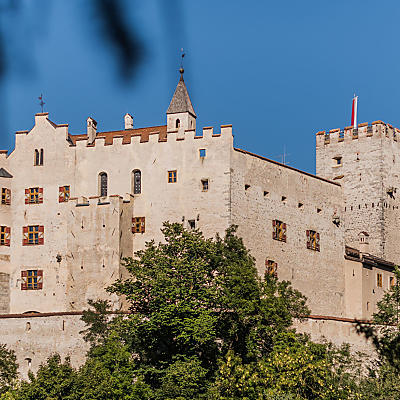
pixel 337 160
pixel 202 153
pixel 192 224
pixel 138 224
pixel 204 185
pixel 32 279
pixel 172 176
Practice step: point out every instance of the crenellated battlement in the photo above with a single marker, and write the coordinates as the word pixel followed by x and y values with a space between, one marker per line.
pixel 347 134
pixel 147 135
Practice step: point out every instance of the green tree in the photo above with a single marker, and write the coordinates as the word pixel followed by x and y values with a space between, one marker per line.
pixel 8 368
pixel 192 300
pixel 55 380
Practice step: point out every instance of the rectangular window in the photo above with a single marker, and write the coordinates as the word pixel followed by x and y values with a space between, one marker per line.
pixel 379 280
pixel 202 153
pixel 278 230
pixel 32 279
pixel 5 196
pixel 313 240
pixel 204 185
pixel 391 282
pixel 192 224
pixel 34 195
pixel 138 224
pixel 271 268
pixel 5 235
pixel 32 235
pixel 63 194
pixel 172 176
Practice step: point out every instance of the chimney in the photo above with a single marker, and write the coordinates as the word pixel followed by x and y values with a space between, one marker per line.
pixel 128 121
pixel 91 130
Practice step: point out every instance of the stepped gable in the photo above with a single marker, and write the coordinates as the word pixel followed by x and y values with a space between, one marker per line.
pixel 144 134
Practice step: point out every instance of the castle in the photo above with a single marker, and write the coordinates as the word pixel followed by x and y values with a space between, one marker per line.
pixel 72 206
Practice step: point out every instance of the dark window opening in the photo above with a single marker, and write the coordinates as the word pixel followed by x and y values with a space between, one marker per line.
pixel 178 123
pixel 103 184
pixel 137 182
pixel 192 224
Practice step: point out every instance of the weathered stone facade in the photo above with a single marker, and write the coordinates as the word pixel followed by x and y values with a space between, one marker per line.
pixel 73 206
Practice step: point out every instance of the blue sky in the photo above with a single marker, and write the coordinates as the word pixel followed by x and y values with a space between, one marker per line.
pixel 277 70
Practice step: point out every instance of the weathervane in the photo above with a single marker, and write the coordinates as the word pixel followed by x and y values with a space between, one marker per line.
pixel 41 102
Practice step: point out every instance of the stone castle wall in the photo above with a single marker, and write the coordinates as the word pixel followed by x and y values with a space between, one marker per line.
pixel 262 191
pixel 369 169
pixel 36 337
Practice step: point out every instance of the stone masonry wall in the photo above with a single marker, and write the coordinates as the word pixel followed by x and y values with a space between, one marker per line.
pixel 369 169
pixel 35 337
pixel 263 190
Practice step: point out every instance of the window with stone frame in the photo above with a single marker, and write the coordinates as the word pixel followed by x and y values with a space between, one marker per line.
pixel 313 240
pixel 138 224
pixel 172 176
pixel 38 159
pixel 392 281
pixel 5 235
pixel 271 268
pixel 379 280
pixel 5 196
pixel 32 279
pixel 278 230
pixel 34 195
pixel 32 235
pixel 63 194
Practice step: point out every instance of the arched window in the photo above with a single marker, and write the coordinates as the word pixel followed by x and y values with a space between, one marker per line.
pixel 103 184
pixel 36 159
pixel 178 123
pixel 137 182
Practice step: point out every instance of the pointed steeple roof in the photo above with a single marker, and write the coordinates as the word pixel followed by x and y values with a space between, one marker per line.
pixel 181 101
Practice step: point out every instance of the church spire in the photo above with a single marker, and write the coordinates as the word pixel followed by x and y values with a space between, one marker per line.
pixel 180 102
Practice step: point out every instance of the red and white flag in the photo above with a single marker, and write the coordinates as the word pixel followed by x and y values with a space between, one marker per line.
pixel 354 112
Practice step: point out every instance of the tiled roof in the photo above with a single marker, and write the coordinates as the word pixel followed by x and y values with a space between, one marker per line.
pixel 181 101
pixel 144 134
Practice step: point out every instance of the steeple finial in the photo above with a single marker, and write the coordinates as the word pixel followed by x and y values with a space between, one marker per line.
pixel 181 70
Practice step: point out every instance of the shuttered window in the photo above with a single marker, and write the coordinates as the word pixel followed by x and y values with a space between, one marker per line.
pixel 138 225
pixel 33 235
pixel 5 235
pixel 313 240
pixel 278 230
pixel 5 196
pixel 32 279
pixel 34 195
pixel 63 194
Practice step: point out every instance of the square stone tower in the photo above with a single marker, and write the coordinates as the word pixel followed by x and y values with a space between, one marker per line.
pixel 366 162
